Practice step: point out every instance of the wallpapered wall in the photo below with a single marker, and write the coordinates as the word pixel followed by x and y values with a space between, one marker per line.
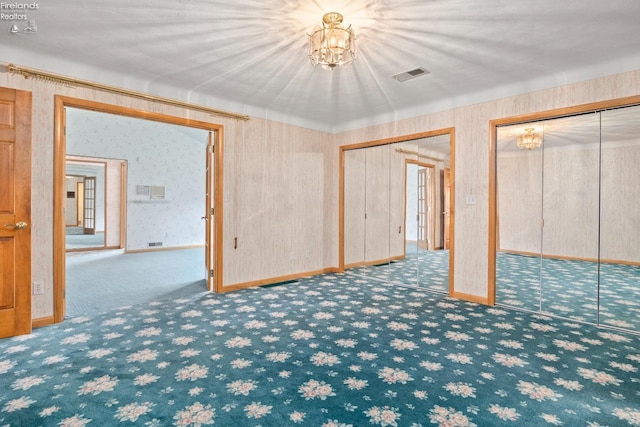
pixel 593 214
pixel 157 154
pixel 281 181
pixel 471 159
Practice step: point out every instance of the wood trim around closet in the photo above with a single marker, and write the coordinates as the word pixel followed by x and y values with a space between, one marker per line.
pixel 525 118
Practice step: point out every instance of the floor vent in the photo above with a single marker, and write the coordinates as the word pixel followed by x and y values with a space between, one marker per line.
pixel 286 282
pixel 154 244
pixel 411 74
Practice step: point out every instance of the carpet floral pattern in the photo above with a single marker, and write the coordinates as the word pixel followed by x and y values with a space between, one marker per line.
pixel 330 350
pixel 581 290
pixel 419 268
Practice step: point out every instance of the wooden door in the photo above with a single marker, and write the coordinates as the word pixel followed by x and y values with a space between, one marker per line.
pixel 15 212
pixel 209 252
pixel 79 204
pixel 447 208
pixel 89 203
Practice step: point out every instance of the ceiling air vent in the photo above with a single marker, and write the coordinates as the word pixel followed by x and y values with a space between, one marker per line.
pixel 411 74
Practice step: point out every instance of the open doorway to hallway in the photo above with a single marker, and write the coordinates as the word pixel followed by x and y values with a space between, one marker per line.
pixel 160 253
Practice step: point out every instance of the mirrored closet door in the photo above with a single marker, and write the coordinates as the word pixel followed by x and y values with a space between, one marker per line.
pixel 567 217
pixel 394 212
pixel 619 275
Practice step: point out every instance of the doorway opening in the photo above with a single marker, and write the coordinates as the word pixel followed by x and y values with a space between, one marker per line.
pixel 95 201
pixel 420 215
pixel 153 223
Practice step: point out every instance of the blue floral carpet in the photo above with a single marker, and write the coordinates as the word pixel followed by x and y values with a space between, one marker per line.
pixel 419 268
pixel 330 350
pixel 607 294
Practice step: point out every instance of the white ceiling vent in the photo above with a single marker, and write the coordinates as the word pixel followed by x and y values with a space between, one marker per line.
pixel 411 74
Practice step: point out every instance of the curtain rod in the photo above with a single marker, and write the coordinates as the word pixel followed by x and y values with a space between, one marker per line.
pixel 415 153
pixel 64 80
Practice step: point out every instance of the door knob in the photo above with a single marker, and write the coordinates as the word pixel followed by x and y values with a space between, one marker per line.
pixel 18 226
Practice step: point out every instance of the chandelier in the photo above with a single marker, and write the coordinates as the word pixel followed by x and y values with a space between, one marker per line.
pixel 332 44
pixel 529 140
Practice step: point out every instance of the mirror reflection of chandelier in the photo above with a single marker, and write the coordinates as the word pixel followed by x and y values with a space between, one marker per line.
pixel 332 44
pixel 529 140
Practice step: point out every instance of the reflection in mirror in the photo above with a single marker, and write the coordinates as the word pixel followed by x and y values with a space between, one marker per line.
pixel 354 209
pixel 377 210
pixel 568 218
pixel 85 205
pixel 547 227
pixel 393 199
pixel 433 217
pixel 620 219
pixel 518 227
pixel 411 216
pixel 570 212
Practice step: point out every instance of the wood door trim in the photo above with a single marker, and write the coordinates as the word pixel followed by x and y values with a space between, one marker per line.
pixel 341 157
pixel 493 202
pixel 433 191
pixel 59 192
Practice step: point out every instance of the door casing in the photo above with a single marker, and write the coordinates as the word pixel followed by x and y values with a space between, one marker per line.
pixel 59 254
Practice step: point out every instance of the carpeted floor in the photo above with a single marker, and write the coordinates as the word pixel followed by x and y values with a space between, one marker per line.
pixel 76 239
pixel 330 350
pixel 420 269
pixel 98 281
pixel 607 294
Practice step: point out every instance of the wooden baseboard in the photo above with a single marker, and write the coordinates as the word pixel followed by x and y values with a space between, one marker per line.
pixel 278 279
pixel 95 248
pixel 42 321
pixel 164 248
pixel 374 262
pixel 470 298
pixel 571 258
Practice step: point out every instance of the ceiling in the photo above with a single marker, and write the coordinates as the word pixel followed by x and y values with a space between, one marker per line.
pixel 250 57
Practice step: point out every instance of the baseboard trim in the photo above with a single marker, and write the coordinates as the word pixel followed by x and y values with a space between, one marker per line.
pixel 165 248
pixel 470 298
pixel 42 321
pixel 271 280
pixel 374 262
pixel 570 258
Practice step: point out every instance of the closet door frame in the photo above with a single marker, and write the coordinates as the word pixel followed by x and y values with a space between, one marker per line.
pixel 533 117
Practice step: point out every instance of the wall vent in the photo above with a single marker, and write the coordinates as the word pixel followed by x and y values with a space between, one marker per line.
pixel 154 244
pixel 143 190
pixel 153 192
pixel 411 74
pixel 157 192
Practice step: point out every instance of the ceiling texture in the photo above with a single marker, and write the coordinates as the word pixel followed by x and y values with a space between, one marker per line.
pixel 251 57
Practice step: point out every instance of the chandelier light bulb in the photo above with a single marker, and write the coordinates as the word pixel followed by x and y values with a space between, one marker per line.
pixel 529 140
pixel 332 44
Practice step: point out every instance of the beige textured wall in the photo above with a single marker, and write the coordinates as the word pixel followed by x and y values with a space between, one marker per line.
pixel 472 158
pixel 279 193
pixel 114 195
pixel 563 189
pixel 620 211
pixel 271 167
pixel 277 203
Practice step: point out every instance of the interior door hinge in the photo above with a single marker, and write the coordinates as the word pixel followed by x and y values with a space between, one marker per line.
pixel 211 273
pixel 211 149
pixel 211 210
